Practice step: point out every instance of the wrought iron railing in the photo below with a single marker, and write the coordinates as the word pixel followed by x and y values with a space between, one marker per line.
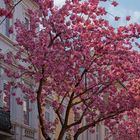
pixel 5 124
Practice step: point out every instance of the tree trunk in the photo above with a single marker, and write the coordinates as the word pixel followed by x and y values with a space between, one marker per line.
pixel 40 112
pixel 76 137
pixel 61 134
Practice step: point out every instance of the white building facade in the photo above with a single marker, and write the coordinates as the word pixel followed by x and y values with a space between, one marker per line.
pixel 18 123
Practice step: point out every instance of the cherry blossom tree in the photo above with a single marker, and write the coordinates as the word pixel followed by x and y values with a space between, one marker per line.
pixel 128 128
pixel 74 56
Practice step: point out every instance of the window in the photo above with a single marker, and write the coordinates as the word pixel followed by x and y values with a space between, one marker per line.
pixel 98 135
pixel 89 135
pixel 68 136
pixel 76 118
pixel 63 112
pixel 1 71
pixel 1 87
pixel 7 26
pixel 26 110
pixel 106 132
pixel 26 22
pixel 26 103
pixel 6 21
pixel 4 96
pixel 48 113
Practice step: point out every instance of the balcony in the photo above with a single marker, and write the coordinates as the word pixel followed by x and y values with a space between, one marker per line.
pixel 5 124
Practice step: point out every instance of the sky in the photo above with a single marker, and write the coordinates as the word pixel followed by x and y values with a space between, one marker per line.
pixel 125 7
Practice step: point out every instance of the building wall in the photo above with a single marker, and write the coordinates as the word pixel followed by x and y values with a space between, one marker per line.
pixel 98 134
pixel 20 131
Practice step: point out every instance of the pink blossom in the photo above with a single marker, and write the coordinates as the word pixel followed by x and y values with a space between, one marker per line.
pixel 128 18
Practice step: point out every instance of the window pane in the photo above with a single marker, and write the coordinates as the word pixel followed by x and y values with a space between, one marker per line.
pixel 25 110
pixel 47 114
pixel 4 96
pixel 7 26
pixel 98 132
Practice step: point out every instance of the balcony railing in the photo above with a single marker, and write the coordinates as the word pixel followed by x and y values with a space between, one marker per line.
pixel 5 124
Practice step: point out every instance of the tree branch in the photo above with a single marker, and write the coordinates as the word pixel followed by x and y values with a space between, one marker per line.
pixel 79 120
pixel 53 39
pixel 59 116
pixel 10 11
pixel 111 115
pixel 40 110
